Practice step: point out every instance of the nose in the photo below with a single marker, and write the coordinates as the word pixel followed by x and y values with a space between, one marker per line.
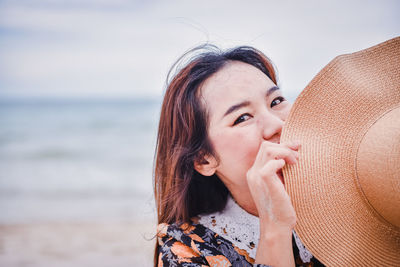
pixel 271 127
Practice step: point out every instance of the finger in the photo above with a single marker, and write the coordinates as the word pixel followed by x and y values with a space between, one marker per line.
pixel 290 156
pixel 269 151
pixel 269 171
pixel 272 167
pixel 261 157
pixel 295 145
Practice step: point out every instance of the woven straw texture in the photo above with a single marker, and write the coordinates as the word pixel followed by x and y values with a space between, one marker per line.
pixel 330 118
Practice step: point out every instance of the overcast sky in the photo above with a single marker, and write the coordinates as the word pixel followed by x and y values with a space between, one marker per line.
pixel 120 48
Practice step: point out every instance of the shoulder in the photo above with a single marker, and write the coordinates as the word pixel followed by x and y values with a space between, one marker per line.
pixel 195 243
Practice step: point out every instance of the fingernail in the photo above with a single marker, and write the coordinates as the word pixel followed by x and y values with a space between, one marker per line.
pixel 296 143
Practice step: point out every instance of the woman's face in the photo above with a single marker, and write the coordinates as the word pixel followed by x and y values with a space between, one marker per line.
pixel 244 108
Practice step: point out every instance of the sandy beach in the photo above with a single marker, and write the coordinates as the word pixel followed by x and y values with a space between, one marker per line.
pixel 76 183
pixel 77 244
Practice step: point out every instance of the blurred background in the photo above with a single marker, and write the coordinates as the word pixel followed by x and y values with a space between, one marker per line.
pixel 81 84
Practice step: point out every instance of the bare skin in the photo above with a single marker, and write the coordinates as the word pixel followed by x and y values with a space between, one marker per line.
pixel 276 213
pixel 246 116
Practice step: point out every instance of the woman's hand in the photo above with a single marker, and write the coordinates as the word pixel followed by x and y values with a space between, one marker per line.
pixel 266 187
pixel 275 210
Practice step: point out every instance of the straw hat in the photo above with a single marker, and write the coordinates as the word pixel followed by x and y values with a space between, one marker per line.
pixel 346 186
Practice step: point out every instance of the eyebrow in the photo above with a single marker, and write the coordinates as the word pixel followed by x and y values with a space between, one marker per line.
pixel 246 103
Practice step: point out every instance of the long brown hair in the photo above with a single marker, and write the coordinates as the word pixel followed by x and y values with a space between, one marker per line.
pixel 180 191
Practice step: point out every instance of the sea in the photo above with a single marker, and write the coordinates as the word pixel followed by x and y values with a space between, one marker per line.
pixel 77 160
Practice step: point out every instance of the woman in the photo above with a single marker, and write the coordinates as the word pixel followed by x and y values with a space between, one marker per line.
pixel 218 165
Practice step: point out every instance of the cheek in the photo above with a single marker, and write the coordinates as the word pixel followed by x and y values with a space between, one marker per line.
pixel 237 149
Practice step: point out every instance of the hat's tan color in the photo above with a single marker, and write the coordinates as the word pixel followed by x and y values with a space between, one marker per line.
pixel 346 186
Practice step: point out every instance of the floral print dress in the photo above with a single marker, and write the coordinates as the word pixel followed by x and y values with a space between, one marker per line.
pixel 213 240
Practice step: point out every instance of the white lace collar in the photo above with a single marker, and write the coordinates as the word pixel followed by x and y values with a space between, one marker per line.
pixel 242 229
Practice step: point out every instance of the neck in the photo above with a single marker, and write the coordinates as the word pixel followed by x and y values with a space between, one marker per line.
pixel 244 200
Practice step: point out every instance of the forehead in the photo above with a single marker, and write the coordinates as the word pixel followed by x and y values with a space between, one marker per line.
pixel 234 83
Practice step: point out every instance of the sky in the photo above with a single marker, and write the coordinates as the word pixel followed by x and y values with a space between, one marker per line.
pixel 124 49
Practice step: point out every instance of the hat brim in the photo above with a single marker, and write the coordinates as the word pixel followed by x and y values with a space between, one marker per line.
pixel 329 118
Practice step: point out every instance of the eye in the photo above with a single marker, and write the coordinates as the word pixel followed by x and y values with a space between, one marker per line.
pixel 277 101
pixel 242 118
